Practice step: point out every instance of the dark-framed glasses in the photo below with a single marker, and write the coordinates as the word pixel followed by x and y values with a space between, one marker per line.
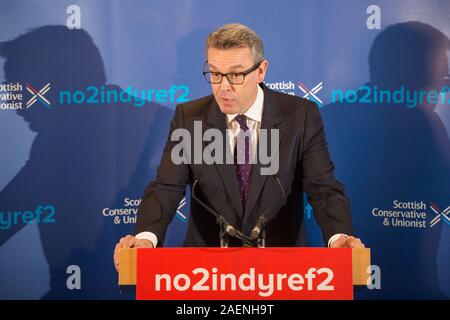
pixel 215 77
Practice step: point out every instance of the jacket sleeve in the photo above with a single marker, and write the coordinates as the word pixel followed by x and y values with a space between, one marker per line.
pixel 325 194
pixel 163 195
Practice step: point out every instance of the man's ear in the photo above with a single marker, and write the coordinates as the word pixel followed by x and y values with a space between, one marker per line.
pixel 262 70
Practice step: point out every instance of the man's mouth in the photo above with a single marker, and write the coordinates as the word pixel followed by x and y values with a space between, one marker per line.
pixel 226 100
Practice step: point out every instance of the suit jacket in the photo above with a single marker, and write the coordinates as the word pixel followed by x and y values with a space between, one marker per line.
pixel 304 166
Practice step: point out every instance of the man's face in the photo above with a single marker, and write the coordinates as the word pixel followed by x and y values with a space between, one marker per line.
pixel 235 98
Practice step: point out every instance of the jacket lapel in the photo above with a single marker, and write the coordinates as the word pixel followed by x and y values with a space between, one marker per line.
pixel 216 119
pixel 271 119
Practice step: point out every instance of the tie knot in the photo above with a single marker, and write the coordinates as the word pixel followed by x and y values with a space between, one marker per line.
pixel 242 120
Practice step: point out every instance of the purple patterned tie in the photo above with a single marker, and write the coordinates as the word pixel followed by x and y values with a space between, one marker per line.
pixel 243 167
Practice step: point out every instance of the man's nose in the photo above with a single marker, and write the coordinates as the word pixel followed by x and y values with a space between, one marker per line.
pixel 225 85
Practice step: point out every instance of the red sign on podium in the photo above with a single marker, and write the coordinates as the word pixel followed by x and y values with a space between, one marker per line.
pixel 244 274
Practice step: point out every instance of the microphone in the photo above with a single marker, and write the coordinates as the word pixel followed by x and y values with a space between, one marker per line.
pixel 227 228
pixel 262 218
pixel 220 219
pixel 259 226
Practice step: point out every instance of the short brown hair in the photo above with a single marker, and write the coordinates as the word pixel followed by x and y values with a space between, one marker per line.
pixel 236 35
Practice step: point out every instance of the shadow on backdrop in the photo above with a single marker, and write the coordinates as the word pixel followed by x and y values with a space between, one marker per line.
pixel 190 60
pixel 386 151
pixel 191 57
pixel 85 157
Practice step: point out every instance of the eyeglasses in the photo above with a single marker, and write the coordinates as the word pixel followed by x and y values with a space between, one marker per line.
pixel 215 77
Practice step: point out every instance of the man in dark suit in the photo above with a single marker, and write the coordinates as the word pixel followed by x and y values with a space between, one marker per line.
pixel 240 108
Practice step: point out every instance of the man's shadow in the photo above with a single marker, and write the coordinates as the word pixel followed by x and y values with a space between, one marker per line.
pixel 85 157
pixel 389 150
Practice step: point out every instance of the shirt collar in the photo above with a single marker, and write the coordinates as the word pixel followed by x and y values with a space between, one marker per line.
pixel 255 110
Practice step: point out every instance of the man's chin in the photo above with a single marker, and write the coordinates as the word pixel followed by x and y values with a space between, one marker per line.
pixel 228 109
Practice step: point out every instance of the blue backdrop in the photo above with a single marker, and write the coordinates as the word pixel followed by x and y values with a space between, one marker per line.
pixel 89 88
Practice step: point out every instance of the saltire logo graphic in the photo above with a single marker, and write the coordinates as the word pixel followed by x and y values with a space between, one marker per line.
pixel 440 215
pixel 179 214
pixel 312 94
pixel 38 95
